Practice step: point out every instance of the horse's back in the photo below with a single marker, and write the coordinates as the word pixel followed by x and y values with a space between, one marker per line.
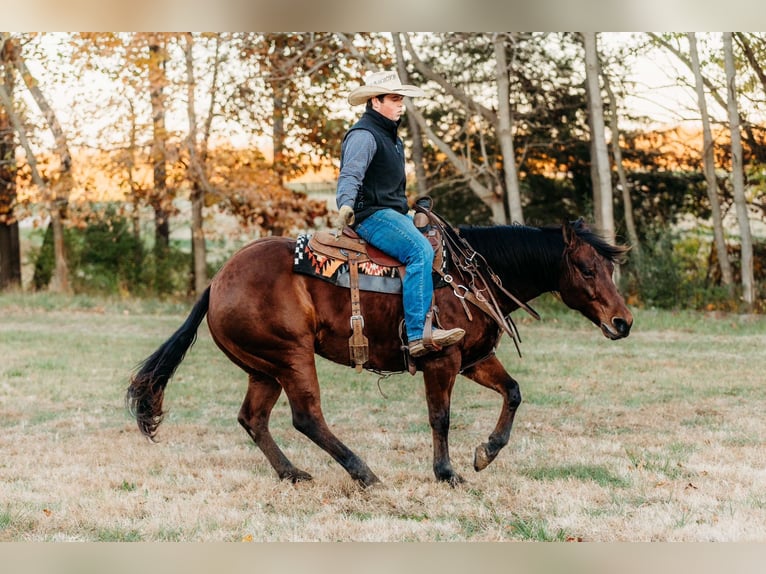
pixel 257 302
pixel 255 270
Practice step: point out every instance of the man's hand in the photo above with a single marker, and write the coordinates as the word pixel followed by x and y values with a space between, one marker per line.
pixel 345 217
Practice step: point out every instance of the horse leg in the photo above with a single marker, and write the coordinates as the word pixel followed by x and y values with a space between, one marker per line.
pixel 302 389
pixel 262 395
pixel 491 374
pixel 439 382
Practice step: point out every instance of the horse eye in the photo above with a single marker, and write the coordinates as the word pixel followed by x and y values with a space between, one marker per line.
pixel 587 272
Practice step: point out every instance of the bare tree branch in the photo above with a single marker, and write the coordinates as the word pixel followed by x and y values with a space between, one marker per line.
pixel 448 87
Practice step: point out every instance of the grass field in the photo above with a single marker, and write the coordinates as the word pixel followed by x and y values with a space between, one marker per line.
pixel 659 437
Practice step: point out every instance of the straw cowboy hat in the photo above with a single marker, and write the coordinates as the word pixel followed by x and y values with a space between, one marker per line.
pixel 379 83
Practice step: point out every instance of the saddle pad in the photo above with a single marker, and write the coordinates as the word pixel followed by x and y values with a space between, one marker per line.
pixel 372 277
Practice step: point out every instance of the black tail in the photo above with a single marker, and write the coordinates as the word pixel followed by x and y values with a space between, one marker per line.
pixel 147 386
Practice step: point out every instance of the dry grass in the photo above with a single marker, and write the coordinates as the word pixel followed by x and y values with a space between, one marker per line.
pixel 657 437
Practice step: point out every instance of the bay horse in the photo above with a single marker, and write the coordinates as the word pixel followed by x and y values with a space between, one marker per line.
pixel 271 322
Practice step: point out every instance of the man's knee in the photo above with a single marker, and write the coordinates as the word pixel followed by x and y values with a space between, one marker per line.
pixel 423 255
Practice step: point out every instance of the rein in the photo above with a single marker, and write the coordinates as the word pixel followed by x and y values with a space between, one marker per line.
pixel 476 271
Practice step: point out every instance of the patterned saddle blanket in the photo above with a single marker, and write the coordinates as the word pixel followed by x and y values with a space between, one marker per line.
pixel 325 256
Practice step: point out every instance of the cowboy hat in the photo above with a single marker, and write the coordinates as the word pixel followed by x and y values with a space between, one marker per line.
pixel 378 83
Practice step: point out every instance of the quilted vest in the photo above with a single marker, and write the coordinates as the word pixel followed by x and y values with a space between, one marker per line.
pixel 385 181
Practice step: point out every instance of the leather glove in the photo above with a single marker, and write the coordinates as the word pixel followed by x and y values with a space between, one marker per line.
pixel 345 217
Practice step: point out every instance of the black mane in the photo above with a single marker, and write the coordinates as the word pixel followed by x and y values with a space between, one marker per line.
pixel 534 251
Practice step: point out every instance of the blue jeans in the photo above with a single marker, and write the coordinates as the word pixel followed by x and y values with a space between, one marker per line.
pixel 396 235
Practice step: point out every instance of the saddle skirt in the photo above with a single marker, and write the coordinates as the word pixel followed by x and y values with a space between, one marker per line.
pixel 325 255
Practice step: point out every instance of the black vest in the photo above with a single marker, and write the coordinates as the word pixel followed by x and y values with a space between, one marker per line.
pixel 385 181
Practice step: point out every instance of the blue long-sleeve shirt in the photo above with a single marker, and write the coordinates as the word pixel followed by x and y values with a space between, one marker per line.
pixel 357 152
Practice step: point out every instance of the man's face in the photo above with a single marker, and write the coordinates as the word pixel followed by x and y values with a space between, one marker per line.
pixel 391 107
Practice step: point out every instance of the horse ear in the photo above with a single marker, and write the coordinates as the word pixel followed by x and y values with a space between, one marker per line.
pixel 569 230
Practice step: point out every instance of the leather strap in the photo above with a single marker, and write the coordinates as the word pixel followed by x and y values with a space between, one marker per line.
pixel 357 344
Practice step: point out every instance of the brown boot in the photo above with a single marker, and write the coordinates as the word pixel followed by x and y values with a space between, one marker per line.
pixel 441 338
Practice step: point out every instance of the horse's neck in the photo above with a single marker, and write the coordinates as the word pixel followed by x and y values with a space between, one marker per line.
pixel 526 270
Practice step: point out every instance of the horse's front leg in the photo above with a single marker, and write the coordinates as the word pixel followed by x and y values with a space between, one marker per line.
pixel 439 375
pixel 491 374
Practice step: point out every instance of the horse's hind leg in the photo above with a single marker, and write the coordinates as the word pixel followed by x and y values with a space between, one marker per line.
pixel 301 385
pixel 491 374
pixel 262 395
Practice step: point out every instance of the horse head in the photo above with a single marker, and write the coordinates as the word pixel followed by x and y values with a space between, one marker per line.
pixel 586 283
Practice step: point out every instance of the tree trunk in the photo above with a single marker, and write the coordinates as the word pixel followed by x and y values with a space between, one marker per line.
pixel 595 179
pixel 199 250
pixel 10 255
pixel 10 250
pixel 505 132
pixel 417 137
pixel 60 189
pixel 278 130
pixel 709 167
pixel 604 206
pixel 738 178
pixel 199 256
pixel 627 202
pixel 60 280
pixel 157 81
pixel 134 199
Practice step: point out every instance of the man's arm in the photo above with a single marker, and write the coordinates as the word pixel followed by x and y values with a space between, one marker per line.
pixel 356 154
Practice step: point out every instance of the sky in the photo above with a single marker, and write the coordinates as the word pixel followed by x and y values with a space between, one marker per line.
pixel 664 87
pixel 657 93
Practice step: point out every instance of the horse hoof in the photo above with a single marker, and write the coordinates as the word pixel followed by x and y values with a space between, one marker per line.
pixel 456 480
pixel 369 482
pixel 481 458
pixel 297 476
pixel 453 479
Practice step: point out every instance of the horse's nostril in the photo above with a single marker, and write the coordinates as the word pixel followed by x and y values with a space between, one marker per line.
pixel 622 326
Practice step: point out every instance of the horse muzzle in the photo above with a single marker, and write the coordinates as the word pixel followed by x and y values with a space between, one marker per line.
pixel 618 329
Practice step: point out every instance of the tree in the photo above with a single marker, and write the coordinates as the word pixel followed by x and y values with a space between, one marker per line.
pixel 753 136
pixel 159 198
pixel 738 178
pixel 37 179
pixel 469 143
pixel 627 202
pixel 61 181
pixel 708 158
pixel 125 141
pixel 602 188
pixel 487 186
pixel 290 84
pixel 414 127
pixel 10 251
pixel 198 160
pixel 505 130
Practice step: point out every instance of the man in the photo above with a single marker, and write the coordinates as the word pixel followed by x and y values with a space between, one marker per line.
pixel 371 198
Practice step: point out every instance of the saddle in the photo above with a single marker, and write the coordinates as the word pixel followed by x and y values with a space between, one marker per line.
pixel 346 246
